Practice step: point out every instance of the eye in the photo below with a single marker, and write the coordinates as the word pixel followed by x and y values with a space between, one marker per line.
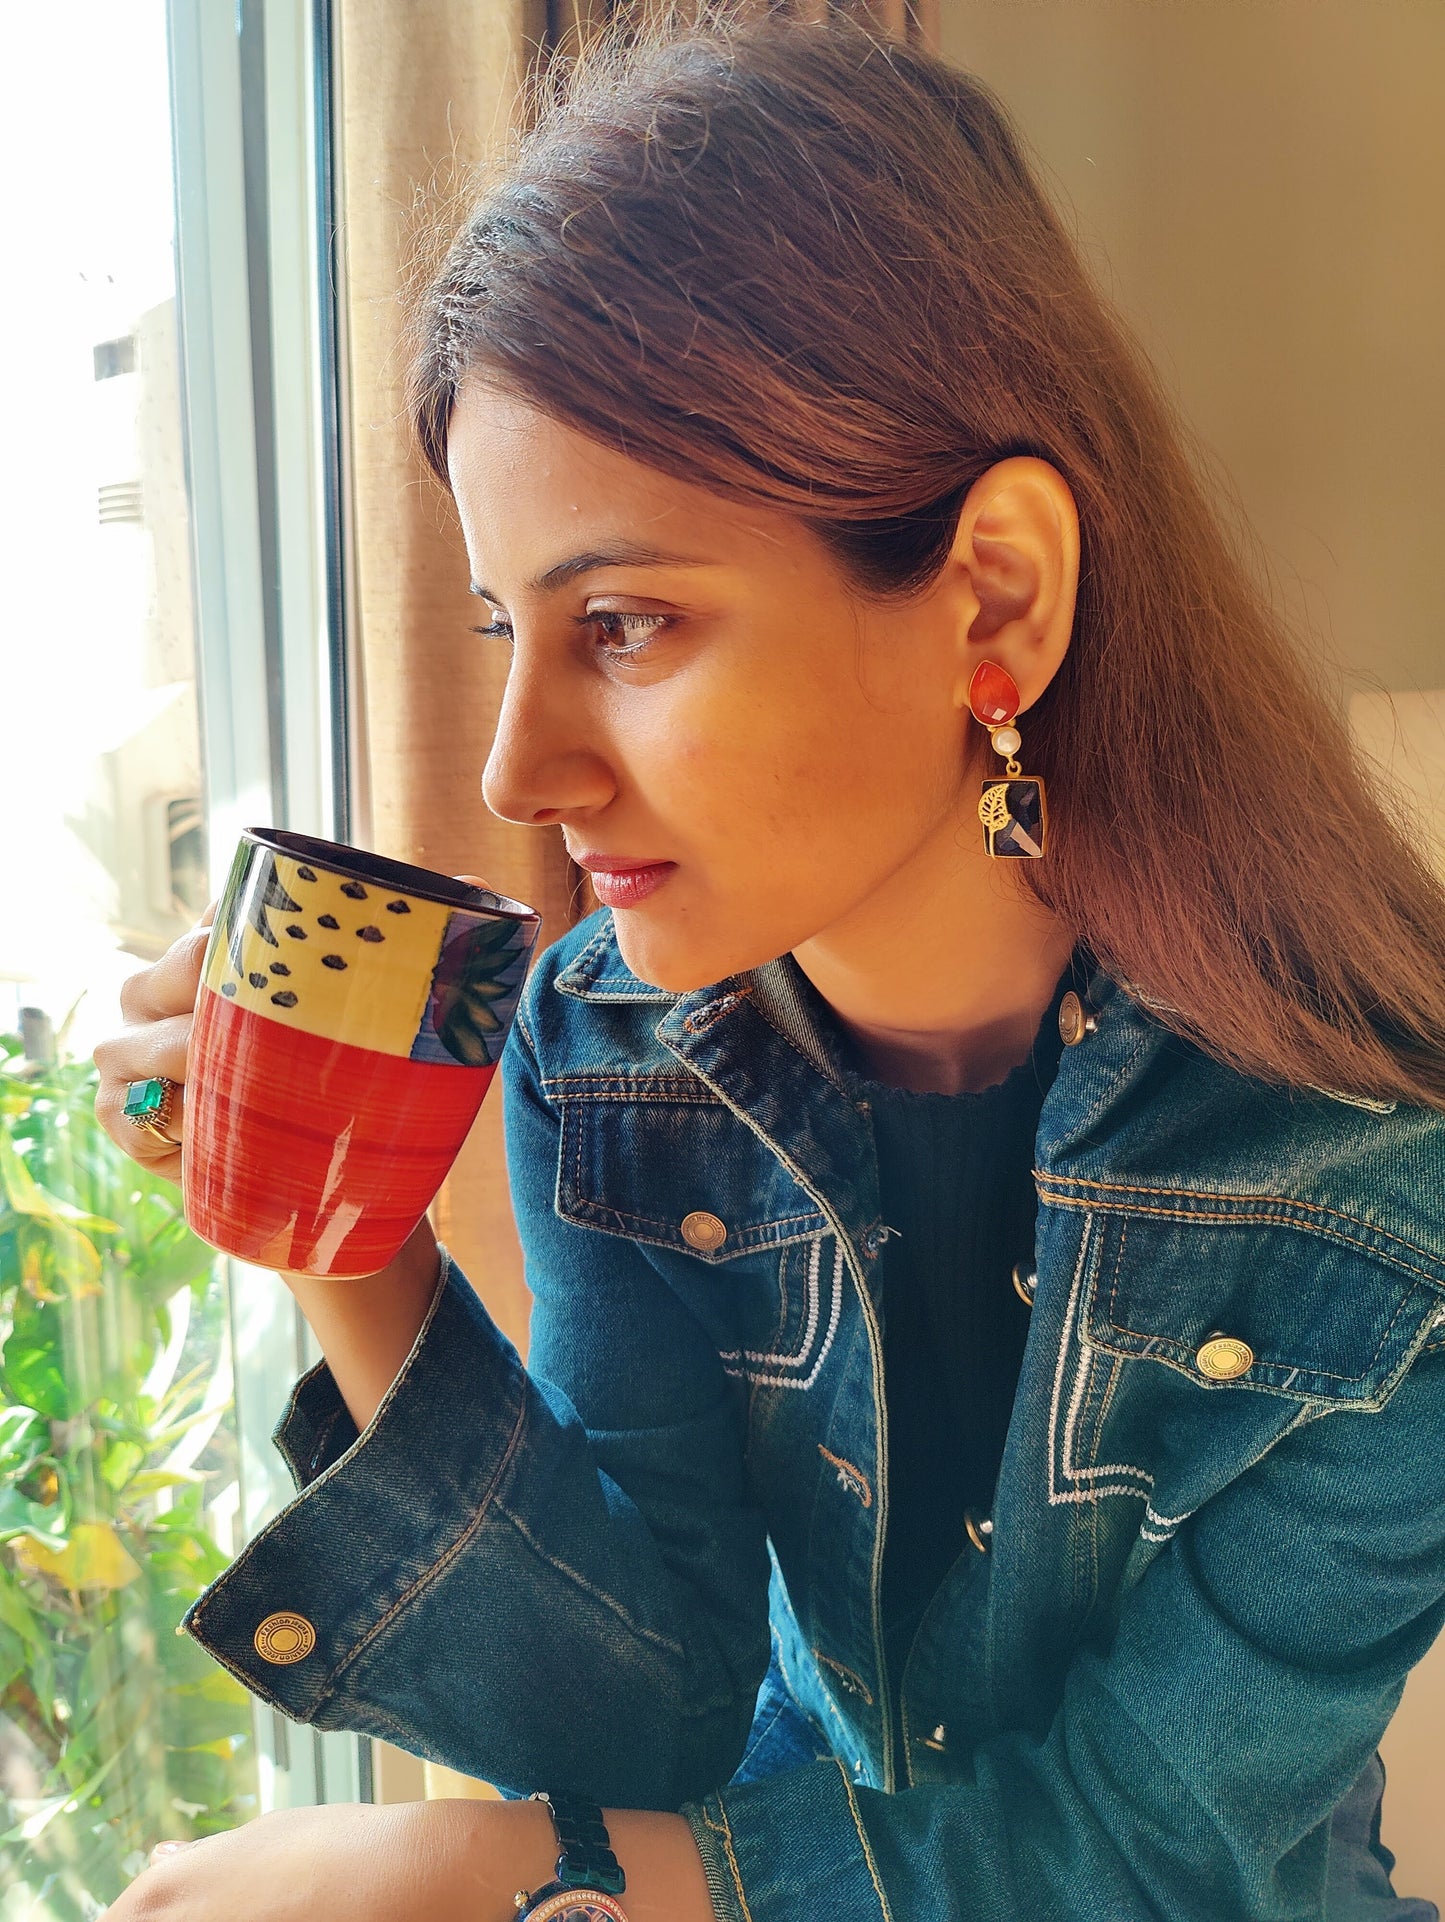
pixel 635 631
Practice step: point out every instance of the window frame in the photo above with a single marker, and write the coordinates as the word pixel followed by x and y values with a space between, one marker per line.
pixel 263 368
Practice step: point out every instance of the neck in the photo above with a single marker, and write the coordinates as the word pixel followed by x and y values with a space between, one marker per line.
pixel 942 976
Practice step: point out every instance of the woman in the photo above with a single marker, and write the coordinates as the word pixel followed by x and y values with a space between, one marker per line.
pixel 980 1173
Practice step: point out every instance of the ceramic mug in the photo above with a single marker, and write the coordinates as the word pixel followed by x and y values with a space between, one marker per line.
pixel 349 1020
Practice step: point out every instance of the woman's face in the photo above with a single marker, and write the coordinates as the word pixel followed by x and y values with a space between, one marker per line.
pixel 693 683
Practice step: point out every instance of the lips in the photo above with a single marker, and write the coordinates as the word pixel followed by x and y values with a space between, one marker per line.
pixel 616 864
pixel 619 886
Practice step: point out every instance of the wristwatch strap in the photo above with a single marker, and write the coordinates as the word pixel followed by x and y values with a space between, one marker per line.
pixel 586 1860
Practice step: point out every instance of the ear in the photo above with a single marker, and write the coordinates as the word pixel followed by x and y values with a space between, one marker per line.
pixel 1014 567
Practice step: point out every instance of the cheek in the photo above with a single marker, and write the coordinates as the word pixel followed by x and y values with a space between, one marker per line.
pixel 751 780
pixel 790 799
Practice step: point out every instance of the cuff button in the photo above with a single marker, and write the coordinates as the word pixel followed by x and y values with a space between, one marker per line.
pixel 285 1638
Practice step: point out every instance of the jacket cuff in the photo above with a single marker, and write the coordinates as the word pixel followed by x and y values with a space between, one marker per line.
pixel 401 1480
pixel 317 1427
pixel 763 1854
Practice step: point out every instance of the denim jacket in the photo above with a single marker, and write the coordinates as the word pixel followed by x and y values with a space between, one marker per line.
pixel 646 1567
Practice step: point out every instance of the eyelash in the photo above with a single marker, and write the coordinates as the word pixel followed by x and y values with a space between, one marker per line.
pixel 652 624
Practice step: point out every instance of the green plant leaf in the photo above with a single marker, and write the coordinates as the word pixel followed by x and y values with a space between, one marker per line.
pixel 24 1438
pixel 119 1464
pixel 26 1196
pixel 21 1517
pixel 14 1655
pixel 30 1366
pixel 97 1661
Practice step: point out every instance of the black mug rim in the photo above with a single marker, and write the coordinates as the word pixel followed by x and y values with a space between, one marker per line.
pixel 342 857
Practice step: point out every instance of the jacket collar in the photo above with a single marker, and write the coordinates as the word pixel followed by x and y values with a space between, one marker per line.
pixel 1134 1107
pixel 729 1033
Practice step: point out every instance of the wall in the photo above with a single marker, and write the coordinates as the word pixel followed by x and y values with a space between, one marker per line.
pixel 1260 186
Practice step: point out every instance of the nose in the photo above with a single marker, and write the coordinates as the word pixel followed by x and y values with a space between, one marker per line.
pixel 545 763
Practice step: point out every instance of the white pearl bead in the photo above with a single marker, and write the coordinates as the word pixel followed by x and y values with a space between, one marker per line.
pixel 1007 740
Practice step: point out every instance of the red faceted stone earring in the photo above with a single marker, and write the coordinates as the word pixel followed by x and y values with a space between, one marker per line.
pixel 1013 811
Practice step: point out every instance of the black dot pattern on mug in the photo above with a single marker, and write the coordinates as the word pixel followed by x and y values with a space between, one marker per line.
pixel 288 904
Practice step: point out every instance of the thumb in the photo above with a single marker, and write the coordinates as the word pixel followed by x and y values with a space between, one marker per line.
pixel 472 880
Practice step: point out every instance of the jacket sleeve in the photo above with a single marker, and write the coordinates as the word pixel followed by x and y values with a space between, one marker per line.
pixel 552 1578
pixel 1193 1763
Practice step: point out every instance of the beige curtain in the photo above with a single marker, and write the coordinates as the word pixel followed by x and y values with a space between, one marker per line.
pixel 425 88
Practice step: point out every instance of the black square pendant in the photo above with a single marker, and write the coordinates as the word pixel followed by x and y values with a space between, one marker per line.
pixel 1014 817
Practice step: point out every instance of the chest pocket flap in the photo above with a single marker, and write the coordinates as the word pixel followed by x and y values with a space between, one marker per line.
pixel 1320 1318
pixel 663 1161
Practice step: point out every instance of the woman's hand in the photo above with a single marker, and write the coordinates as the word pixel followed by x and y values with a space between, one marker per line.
pixel 365 1327
pixel 444 1861
pixel 158 1005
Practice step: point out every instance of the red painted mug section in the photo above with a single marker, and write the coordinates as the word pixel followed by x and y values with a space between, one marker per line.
pixel 345 1146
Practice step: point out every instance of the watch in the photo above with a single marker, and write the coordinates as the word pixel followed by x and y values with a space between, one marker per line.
pixel 589 1876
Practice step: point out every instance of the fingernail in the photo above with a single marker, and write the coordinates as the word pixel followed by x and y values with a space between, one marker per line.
pixel 166 1848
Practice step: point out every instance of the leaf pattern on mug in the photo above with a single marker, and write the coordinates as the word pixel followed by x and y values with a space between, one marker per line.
pixel 253 905
pixel 475 989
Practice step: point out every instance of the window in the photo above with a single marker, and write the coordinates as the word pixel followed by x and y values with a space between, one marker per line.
pixel 167 657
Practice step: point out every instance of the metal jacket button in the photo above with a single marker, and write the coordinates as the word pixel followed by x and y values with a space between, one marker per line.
pixel 285 1638
pixel 938 1740
pixel 1075 1020
pixel 979 1529
pixel 1025 1282
pixel 703 1231
pixel 1223 1358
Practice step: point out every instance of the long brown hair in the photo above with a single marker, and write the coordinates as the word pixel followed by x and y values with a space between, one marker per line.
pixel 805 267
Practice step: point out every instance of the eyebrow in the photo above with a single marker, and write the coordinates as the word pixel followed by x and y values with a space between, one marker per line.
pixel 623 554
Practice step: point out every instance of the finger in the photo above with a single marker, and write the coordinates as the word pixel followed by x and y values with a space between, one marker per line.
pixel 148 1151
pixel 138 1055
pixel 473 881
pixel 157 1046
pixel 141 1142
pixel 170 985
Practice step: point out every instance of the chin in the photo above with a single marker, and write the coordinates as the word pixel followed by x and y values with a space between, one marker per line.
pixel 679 968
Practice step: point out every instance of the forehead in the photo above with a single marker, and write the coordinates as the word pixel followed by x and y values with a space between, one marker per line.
pixel 529 487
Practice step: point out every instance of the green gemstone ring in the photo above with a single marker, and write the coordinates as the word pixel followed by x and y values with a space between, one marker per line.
pixel 148 1105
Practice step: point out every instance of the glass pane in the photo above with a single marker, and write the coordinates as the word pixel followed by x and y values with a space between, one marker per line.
pixel 119 1487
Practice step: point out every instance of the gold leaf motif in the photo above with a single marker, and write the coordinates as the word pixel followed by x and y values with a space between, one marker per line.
pixel 993 809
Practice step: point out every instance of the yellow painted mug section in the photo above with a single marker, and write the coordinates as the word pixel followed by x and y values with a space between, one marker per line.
pixel 342 959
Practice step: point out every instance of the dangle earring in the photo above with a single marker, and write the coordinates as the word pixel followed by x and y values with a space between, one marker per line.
pixel 1012 810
